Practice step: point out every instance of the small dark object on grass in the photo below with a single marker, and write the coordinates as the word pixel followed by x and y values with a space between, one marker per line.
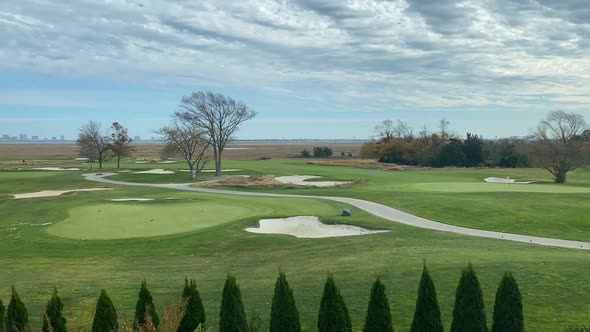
pixel 346 213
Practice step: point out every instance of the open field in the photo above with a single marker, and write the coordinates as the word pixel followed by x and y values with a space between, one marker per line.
pixel 555 292
pixel 60 152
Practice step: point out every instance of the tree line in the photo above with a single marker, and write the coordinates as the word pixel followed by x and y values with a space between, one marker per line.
pixel 559 144
pixel 204 120
pixel 333 316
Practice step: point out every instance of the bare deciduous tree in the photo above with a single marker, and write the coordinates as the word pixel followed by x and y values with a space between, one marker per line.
pixel 217 115
pixel 94 142
pixel 444 131
pixel 560 147
pixel 403 130
pixel 121 143
pixel 388 130
pixel 385 130
pixel 187 139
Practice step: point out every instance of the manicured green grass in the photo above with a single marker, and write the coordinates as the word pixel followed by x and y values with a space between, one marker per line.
pixel 554 286
pixel 143 219
pixel 474 187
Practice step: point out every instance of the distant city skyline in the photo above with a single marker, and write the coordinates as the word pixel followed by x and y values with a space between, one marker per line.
pixel 312 69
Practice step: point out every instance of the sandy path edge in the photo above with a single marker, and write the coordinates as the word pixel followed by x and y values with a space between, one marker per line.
pixel 373 208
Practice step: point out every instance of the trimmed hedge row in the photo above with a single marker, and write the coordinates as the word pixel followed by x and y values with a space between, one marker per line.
pixel 468 313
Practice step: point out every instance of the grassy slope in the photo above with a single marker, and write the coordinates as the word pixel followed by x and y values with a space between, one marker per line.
pixel 564 213
pixel 555 292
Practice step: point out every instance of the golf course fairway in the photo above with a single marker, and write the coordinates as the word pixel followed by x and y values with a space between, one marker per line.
pixel 122 221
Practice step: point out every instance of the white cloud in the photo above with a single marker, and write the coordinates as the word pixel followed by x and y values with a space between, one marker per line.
pixel 443 54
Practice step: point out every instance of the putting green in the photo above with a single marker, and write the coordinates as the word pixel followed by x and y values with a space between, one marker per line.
pixel 463 187
pixel 121 221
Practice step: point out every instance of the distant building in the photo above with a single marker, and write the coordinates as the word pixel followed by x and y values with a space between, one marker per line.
pixel 5 137
pixel 62 138
pixel 34 138
pixel 54 138
pixel 137 138
pixel 22 137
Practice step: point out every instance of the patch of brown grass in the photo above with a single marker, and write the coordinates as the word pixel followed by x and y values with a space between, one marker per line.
pixel 240 180
pixel 361 164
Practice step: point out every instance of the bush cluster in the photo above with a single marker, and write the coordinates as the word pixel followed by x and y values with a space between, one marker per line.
pixel 317 152
pixel 333 316
pixel 434 151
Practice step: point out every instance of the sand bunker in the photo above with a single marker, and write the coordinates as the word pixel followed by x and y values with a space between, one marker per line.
pixel 167 162
pixel 55 169
pixel 132 199
pixel 504 180
pixel 53 193
pixel 142 161
pixel 300 180
pixel 308 227
pixel 155 171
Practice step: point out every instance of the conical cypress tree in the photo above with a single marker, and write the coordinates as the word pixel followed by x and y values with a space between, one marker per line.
pixel 105 317
pixel 469 314
pixel 194 313
pixel 508 307
pixel 17 316
pixel 427 314
pixel 53 319
pixel 2 315
pixel 333 315
pixel 284 316
pixel 232 317
pixel 378 314
pixel 144 308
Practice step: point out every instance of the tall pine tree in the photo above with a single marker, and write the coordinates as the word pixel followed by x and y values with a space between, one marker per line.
pixel 469 313
pixel 2 315
pixel 145 309
pixel 194 313
pixel 427 315
pixel 232 317
pixel 17 317
pixel 508 315
pixel 284 316
pixel 378 313
pixel 53 319
pixel 333 315
pixel 105 316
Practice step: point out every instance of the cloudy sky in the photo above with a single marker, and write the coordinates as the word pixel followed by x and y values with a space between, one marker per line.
pixel 311 68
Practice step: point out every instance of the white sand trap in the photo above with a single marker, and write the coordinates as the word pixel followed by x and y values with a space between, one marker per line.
pixel 82 159
pixel 55 169
pixel 308 227
pixel 53 193
pixel 155 171
pixel 132 199
pixel 167 162
pixel 504 180
pixel 42 224
pixel 141 161
pixel 125 171
pixel 300 180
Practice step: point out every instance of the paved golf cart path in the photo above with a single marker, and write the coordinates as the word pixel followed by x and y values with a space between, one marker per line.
pixel 376 209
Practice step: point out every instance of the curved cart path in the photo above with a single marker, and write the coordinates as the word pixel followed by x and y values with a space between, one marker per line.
pixel 376 209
